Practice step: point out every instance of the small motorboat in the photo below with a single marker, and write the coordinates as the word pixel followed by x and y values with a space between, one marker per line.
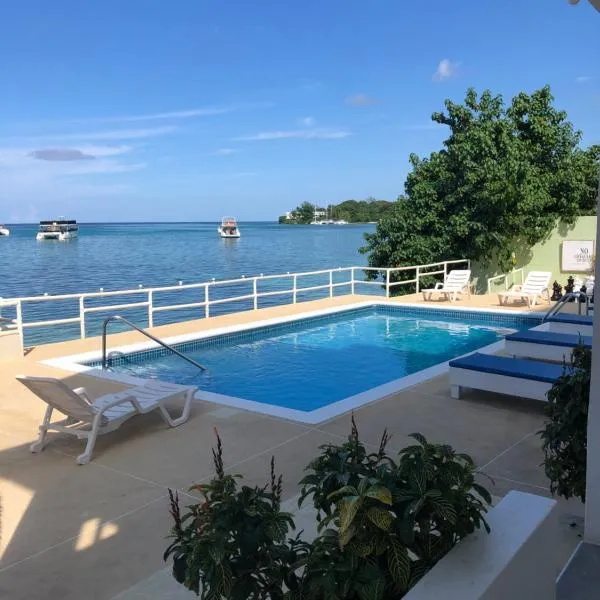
pixel 4 231
pixel 229 228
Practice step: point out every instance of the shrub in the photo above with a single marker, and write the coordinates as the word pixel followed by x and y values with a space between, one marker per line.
pixel 564 435
pixel 383 523
pixel 233 543
pixel 386 522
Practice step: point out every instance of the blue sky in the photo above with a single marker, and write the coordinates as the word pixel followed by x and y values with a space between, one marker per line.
pixel 120 110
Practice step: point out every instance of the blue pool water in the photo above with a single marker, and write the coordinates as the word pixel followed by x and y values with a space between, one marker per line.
pixel 309 364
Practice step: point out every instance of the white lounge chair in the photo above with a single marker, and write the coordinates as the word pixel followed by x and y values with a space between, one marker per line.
pixel 87 419
pixel 456 283
pixel 534 287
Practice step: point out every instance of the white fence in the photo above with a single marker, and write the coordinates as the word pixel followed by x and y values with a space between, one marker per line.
pixel 506 279
pixel 203 299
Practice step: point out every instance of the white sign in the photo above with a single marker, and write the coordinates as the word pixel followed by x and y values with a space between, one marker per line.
pixel 577 257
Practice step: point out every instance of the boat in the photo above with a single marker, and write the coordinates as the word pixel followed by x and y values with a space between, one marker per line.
pixel 229 228
pixel 4 231
pixel 60 229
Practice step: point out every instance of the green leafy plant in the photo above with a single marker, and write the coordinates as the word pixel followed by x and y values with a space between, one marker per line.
pixel 233 543
pixel 564 435
pixel 384 523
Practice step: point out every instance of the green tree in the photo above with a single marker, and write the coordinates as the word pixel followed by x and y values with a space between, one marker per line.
pixel 503 179
pixel 304 213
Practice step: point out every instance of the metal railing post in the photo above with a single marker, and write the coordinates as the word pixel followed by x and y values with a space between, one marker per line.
pixel 19 316
pixel 417 278
pixel 295 289
pixel 150 309
pixel 387 283
pixel 206 302
pixel 331 284
pixel 81 317
pixel 445 270
pixel 352 281
pixel 255 292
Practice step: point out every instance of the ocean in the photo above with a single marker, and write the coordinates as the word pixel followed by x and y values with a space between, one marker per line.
pixel 125 255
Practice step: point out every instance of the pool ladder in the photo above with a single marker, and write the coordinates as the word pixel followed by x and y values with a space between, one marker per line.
pixel 143 332
pixel 576 296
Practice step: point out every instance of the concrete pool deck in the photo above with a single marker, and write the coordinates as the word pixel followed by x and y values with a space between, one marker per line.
pixel 92 531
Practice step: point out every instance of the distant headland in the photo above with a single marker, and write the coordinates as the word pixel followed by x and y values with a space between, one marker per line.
pixel 350 211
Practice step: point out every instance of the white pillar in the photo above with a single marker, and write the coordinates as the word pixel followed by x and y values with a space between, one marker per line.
pixel 592 494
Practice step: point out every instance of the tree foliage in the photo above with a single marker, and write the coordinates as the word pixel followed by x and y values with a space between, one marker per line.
pixel 505 176
pixel 352 211
pixel 362 211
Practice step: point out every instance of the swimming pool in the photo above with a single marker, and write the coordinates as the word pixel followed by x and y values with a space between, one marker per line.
pixel 309 369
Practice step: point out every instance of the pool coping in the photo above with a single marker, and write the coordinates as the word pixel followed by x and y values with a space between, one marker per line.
pixel 73 363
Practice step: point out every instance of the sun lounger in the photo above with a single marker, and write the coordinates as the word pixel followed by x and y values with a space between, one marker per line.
pixel 534 287
pixel 511 376
pixel 456 282
pixel 574 324
pixel 88 418
pixel 544 345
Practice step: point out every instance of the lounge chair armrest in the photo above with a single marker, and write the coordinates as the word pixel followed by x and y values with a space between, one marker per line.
pixel 118 399
pixel 82 393
pixel 516 287
pixel 438 286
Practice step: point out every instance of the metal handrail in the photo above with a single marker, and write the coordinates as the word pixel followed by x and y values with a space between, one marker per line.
pixel 143 332
pixel 563 301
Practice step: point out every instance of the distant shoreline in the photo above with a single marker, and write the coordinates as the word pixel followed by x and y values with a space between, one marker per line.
pixel 332 224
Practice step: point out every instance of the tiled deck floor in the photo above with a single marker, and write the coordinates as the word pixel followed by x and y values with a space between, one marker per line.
pixel 90 532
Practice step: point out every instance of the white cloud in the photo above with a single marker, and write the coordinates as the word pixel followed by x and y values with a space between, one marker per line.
pixel 224 151
pixel 207 111
pixel 57 172
pixel 361 100
pixel 176 114
pixel 116 134
pixel 447 69
pixel 583 78
pixel 300 134
pixel 100 151
pixel 308 121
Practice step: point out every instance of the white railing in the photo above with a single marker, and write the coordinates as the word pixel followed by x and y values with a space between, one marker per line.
pixel 145 298
pixel 504 279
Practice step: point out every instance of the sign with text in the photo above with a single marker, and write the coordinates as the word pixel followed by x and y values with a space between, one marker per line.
pixel 577 257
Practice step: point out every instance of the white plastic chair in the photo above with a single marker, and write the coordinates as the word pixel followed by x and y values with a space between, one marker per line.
pixel 535 286
pixel 456 283
pixel 88 418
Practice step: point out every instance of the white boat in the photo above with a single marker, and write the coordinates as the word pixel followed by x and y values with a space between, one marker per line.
pixel 330 222
pixel 60 229
pixel 229 228
pixel 4 231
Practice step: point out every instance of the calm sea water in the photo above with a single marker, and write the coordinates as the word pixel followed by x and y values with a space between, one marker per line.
pixel 123 256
